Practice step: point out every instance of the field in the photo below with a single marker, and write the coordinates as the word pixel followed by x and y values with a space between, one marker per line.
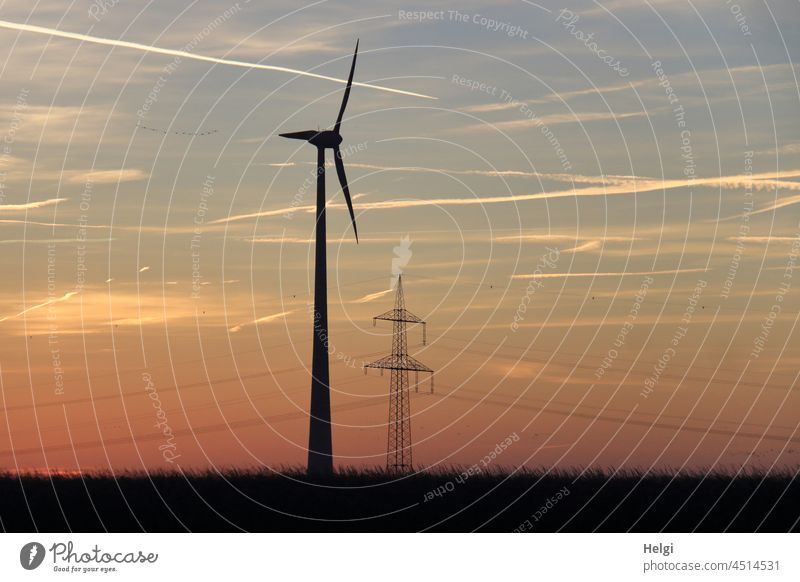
pixel 443 500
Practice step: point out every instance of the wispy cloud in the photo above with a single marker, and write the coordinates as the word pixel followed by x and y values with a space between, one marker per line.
pixel 765 239
pixel 619 274
pixel 789 148
pixel 372 296
pixel 32 205
pixel 279 240
pixel 782 203
pixel 265 319
pixel 567 95
pixel 591 245
pixel 51 224
pixel 189 56
pixel 552 119
pixel 107 176
pixel 524 236
pixel 64 297
pixel 621 186
pixel 47 241
pixel 719 76
pixel 556 177
pixel 265 213
pixel 632 186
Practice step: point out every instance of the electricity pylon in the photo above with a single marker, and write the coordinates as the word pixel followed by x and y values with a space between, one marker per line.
pixel 398 448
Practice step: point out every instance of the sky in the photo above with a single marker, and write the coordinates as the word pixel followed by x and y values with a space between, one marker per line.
pixel 593 206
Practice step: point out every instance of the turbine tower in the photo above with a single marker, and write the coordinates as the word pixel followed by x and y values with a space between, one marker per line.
pixel 320 448
pixel 398 448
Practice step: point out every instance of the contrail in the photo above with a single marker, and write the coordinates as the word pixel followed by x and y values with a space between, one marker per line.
pixel 46 303
pixel 187 55
pixel 774 206
pixel 619 187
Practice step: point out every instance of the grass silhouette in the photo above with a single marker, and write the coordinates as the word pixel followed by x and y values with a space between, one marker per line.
pixel 441 499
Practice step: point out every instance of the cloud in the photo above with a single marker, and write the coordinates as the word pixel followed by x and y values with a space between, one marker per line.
pixel 719 77
pixel 107 176
pixel 622 185
pixel 633 186
pixel 782 203
pixel 564 237
pixel 556 177
pixel 264 213
pixel 265 319
pixel 64 297
pixel 550 98
pixel 619 274
pixel 789 148
pixel 552 119
pixel 591 245
pixel 32 205
pixel 188 55
pixel 613 6
pixel 47 241
pixel 567 95
pixel 96 310
pixel 765 239
pixel 372 296
pixel 51 124
pixel 51 224
pixel 290 44
pixel 490 107
pixel 280 240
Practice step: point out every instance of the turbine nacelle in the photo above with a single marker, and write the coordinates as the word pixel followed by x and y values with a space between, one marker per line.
pixel 330 139
pixel 321 139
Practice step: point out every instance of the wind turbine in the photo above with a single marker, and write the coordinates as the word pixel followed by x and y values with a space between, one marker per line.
pixel 320 450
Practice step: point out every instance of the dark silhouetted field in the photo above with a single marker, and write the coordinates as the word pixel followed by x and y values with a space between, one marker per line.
pixel 375 501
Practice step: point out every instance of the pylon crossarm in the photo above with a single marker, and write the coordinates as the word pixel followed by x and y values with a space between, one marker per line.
pixel 397 362
pixel 399 315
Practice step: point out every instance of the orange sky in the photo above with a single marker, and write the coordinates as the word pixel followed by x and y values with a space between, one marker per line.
pixel 606 262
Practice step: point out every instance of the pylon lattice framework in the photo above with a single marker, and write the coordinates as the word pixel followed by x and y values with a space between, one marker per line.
pixel 398 448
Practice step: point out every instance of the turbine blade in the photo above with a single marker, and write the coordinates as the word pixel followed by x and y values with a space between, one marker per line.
pixel 304 135
pixel 337 160
pixel 346 91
